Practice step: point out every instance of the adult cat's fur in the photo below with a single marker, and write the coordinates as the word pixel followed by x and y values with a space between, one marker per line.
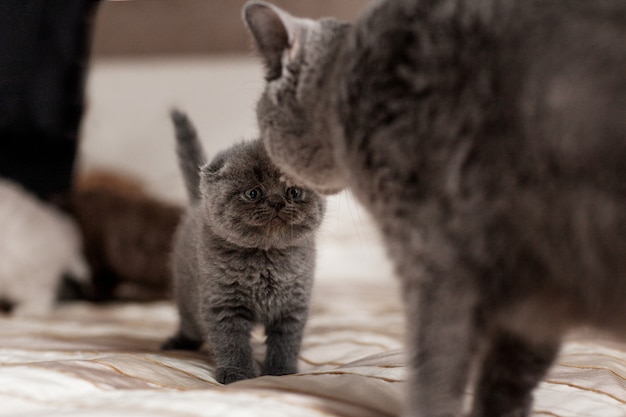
pixel 38 245
pixel 487 137
pixel 127 237
pixel 244 254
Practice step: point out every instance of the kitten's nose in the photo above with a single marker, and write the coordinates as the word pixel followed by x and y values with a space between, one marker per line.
pixel 276 202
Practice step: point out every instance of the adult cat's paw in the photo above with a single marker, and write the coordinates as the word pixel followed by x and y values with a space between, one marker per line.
pixel 230 374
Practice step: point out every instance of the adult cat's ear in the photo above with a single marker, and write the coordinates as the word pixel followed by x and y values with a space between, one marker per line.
pixel 276 34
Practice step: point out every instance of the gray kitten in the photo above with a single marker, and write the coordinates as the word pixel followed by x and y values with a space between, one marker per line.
pixel 244 254
pixel 487 138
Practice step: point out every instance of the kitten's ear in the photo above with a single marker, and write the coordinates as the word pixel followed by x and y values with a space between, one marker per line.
pixel 276 32
pixel 213 170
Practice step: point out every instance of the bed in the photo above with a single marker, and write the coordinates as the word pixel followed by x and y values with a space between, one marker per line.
pixel 104 360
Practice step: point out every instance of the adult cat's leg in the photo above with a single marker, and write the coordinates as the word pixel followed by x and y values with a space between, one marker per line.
pixel 229 336
pixel 284 337
pixel 512 368
pixel 441 339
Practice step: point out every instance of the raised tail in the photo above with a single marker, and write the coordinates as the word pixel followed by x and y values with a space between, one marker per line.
pixel 190 153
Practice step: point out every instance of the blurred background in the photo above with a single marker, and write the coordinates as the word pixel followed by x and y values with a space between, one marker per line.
pixel 149 56
pixel 192 27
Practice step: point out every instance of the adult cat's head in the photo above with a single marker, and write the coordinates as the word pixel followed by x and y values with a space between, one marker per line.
pixel 250 204
pixel 299 134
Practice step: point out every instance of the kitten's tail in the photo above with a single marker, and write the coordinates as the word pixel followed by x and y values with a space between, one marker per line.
pixel 190 153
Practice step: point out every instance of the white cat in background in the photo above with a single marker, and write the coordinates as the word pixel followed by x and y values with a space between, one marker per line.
pixel 38 244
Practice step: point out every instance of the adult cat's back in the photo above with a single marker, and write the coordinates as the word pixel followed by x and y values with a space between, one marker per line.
pixel 544 80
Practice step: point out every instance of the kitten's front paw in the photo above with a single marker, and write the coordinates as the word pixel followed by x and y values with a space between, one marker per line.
pixel 181 343
pixel 280 370
pixel 230 374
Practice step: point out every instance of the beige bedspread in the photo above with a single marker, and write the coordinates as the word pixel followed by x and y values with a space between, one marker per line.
pixel 104 360
pixel 87 360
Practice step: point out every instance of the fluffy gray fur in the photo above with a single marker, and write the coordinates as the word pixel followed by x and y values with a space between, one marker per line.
pixel 487 138
pixel 243 255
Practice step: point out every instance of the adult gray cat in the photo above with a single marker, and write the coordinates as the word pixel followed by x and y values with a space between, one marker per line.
pixel 487 139
pixel 244 254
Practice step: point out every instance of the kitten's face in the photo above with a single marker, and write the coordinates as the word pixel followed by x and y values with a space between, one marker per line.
pixel 298 136
pixel 249 203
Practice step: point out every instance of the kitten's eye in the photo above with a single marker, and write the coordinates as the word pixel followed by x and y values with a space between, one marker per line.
pixel 295 194
pixel 252 194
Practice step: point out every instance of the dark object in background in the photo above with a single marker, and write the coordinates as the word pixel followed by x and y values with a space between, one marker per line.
pixel 127 238
pixel 6 306
pixel 44 53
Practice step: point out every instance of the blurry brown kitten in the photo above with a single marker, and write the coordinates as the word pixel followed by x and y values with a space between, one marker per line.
pixel 127 236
